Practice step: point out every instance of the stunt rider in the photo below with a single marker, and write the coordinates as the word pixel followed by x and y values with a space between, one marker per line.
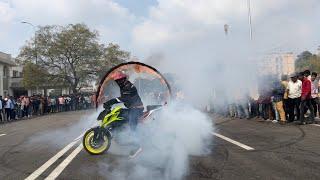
pixel 131 99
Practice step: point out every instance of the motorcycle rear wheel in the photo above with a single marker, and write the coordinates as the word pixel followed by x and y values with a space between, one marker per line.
pixel 95 148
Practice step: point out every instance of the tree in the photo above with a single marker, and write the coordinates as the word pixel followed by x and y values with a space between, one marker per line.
pixel 307 60
pixel 70 54
pixel 112 56
pixel 34 76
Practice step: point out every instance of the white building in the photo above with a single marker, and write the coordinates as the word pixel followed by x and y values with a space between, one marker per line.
pixel 11 81
pixel 277 64
pixel 6 64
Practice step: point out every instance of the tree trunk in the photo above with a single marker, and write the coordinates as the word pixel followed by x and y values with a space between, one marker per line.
pixel 45 91
pixel 74 89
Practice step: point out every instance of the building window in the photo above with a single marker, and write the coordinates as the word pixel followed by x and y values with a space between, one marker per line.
pixel 5 71
pixel 15 74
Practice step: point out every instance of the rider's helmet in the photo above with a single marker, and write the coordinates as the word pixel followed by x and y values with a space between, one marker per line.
pixel 119 75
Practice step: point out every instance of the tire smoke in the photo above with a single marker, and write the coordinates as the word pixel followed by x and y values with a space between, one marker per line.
pixel 177 132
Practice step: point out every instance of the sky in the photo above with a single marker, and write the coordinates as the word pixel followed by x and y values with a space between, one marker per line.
pixel 171 27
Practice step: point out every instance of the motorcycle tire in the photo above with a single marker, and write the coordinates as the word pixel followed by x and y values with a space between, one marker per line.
pixel 89 145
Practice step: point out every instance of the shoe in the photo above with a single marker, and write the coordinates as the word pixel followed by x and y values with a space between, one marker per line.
pixel 274 121
pixel 135 153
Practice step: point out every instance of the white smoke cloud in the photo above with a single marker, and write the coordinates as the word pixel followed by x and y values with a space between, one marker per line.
pixel 180 22
pixel 177 132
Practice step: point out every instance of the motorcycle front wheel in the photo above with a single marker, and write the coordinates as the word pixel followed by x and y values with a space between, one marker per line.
pixel 96 144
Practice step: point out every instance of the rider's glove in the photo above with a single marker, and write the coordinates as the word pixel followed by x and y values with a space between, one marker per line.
pixel 108 104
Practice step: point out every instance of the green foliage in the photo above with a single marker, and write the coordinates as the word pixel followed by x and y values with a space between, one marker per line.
pixel 307 60
pixel 70 55
pixel 112 56
pixel 33 75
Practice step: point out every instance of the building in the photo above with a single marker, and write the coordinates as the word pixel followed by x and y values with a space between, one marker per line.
pixel 11 80
pixel 6 64
pixel 16 86
pixel 277 64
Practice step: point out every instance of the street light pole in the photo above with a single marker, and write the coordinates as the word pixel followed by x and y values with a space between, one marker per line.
pixel 249 18
pixel 35 38
pixel 35 43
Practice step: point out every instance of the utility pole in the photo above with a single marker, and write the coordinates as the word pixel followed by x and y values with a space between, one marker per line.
pixel 249 18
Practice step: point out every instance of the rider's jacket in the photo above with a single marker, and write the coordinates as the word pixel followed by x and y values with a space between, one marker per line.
pixel 129 96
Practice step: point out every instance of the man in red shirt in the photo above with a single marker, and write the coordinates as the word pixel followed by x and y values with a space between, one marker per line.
pixel 306 98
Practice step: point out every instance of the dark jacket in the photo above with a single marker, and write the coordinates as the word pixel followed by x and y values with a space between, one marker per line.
pixel 277 92
pixel 128 96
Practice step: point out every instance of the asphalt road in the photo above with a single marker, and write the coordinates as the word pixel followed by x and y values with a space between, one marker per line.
pixel 48 147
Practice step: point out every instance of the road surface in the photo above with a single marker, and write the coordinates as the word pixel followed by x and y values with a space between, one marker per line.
pixel 48 148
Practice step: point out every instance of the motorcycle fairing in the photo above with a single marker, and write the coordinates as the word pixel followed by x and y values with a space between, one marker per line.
pixel 112 117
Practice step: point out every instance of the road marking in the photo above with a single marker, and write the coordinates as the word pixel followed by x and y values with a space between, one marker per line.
pixel 2 134
pixel 79 137
pixel 58 170
pixel 315 125
pixel 233 141
pixel 52 160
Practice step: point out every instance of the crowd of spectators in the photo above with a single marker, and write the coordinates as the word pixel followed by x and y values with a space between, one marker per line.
pixel 293 98
pixel 13 108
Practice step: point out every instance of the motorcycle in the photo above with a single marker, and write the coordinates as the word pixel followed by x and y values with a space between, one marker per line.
pixel 97 140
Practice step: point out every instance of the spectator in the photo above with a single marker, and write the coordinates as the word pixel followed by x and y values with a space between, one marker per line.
pixel 73 102
pixel 41 106
pixel 68 103
pixel 278 93
pixel 27 108
pixel 265 105
pixel 314 92
pixel 18 108
pixel 284 83
pixel 48 99
pixel 294 95
pixel 82 102
pixel 61 103
pixel 87 102
pixel 22 107
pixel 306 98
pixel 53 103
pixel 93 100
pixel 7 107
pixel 276 113
pixel 12 108
pixel 45 104
pixel 35 104
pixel 1 110
pixel 242 102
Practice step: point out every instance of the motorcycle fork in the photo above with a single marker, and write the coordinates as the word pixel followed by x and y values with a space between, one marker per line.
pixel 97 134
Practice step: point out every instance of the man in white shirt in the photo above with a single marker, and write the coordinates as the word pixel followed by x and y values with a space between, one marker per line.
pixel 314 93
pixel 294 95
pixel 7 107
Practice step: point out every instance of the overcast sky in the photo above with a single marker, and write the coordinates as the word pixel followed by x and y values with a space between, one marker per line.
pixel 144 27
